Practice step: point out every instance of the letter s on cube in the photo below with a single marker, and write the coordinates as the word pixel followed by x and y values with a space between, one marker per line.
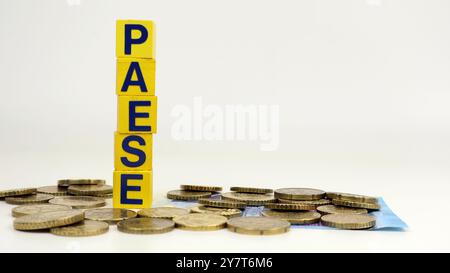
pixel 135 77
pixel 137 114
pixel 133 152
pixel 134 38
pixel 132 189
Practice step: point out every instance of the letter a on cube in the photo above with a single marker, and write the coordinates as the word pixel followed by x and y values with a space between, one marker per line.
pixel 135 77
pixel 137 114
pixel 132 189
pixel 135 39
pixel 133 152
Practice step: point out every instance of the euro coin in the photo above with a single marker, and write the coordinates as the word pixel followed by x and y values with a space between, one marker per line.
pixel 218 211
pixel 70 182
pixel 79 202
pixel 255 225
pixel 53 190
pixel 39 198
pixel 331 195
pixel 200 222
pixel 39 208
pixel 200 188
pixel 82 229
pixel 352 197
pixel 109 215
pixel 348 221
pixel 251 190
pixel 218 203
pixel 105 196
pixel 299 194
pixel 286 206
pixel 316 203
pixel 146 225
pixel 162 212
pixel 48 220
pixel 294 217
pixel 251 199
pixel 187 195
pixel 332 209
pixel 17 192
pixel 90 190
pixel 352 204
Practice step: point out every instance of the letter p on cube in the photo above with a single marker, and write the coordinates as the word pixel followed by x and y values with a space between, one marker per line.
pixel 134 38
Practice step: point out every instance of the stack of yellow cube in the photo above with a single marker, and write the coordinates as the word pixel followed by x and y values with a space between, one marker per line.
pixel 136 114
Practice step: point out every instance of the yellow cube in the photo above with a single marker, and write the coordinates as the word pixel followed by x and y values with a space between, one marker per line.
pixel 135 77
pixel 133 152
pixel 136 114
pixel 132 189
pixel 135 38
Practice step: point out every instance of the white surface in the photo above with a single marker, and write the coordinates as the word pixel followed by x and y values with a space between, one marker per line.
pixel 422 205
pixel 362 88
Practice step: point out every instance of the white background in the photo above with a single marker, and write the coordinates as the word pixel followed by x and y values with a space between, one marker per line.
pixel 363 89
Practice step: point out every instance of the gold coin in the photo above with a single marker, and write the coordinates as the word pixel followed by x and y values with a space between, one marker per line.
pixel 251 190
pixel 146 225
pixel 222 203
pixel 17 192
pixel 105 196
pixel 294 217
pixel 90 190
pixel 70 182
pixel 332 209
pixel 331 195
pixel 218 211
pixel 200 188
pixel 33 209
pixel 352 197
pixel 109 215
pixel 348 221
pixel 79 202
pixel 299 194
pixel 200 222
pixel 83 228
pixel 251 199
pixel 187 195
pixel 48 220
pixel 258 225
pixel 352 204
pixel 316 203
pixel 162 212
pixel 53 190
pixel 286 206
pixel 39 198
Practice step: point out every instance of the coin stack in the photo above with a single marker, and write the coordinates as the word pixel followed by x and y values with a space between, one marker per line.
pixel 308 206
pixel 137 107
pixel 93 189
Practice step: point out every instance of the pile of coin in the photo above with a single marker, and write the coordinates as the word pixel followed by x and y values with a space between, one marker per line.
pixel 308 206
pixel 62 209
pixel 299 206
pixel 74 207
